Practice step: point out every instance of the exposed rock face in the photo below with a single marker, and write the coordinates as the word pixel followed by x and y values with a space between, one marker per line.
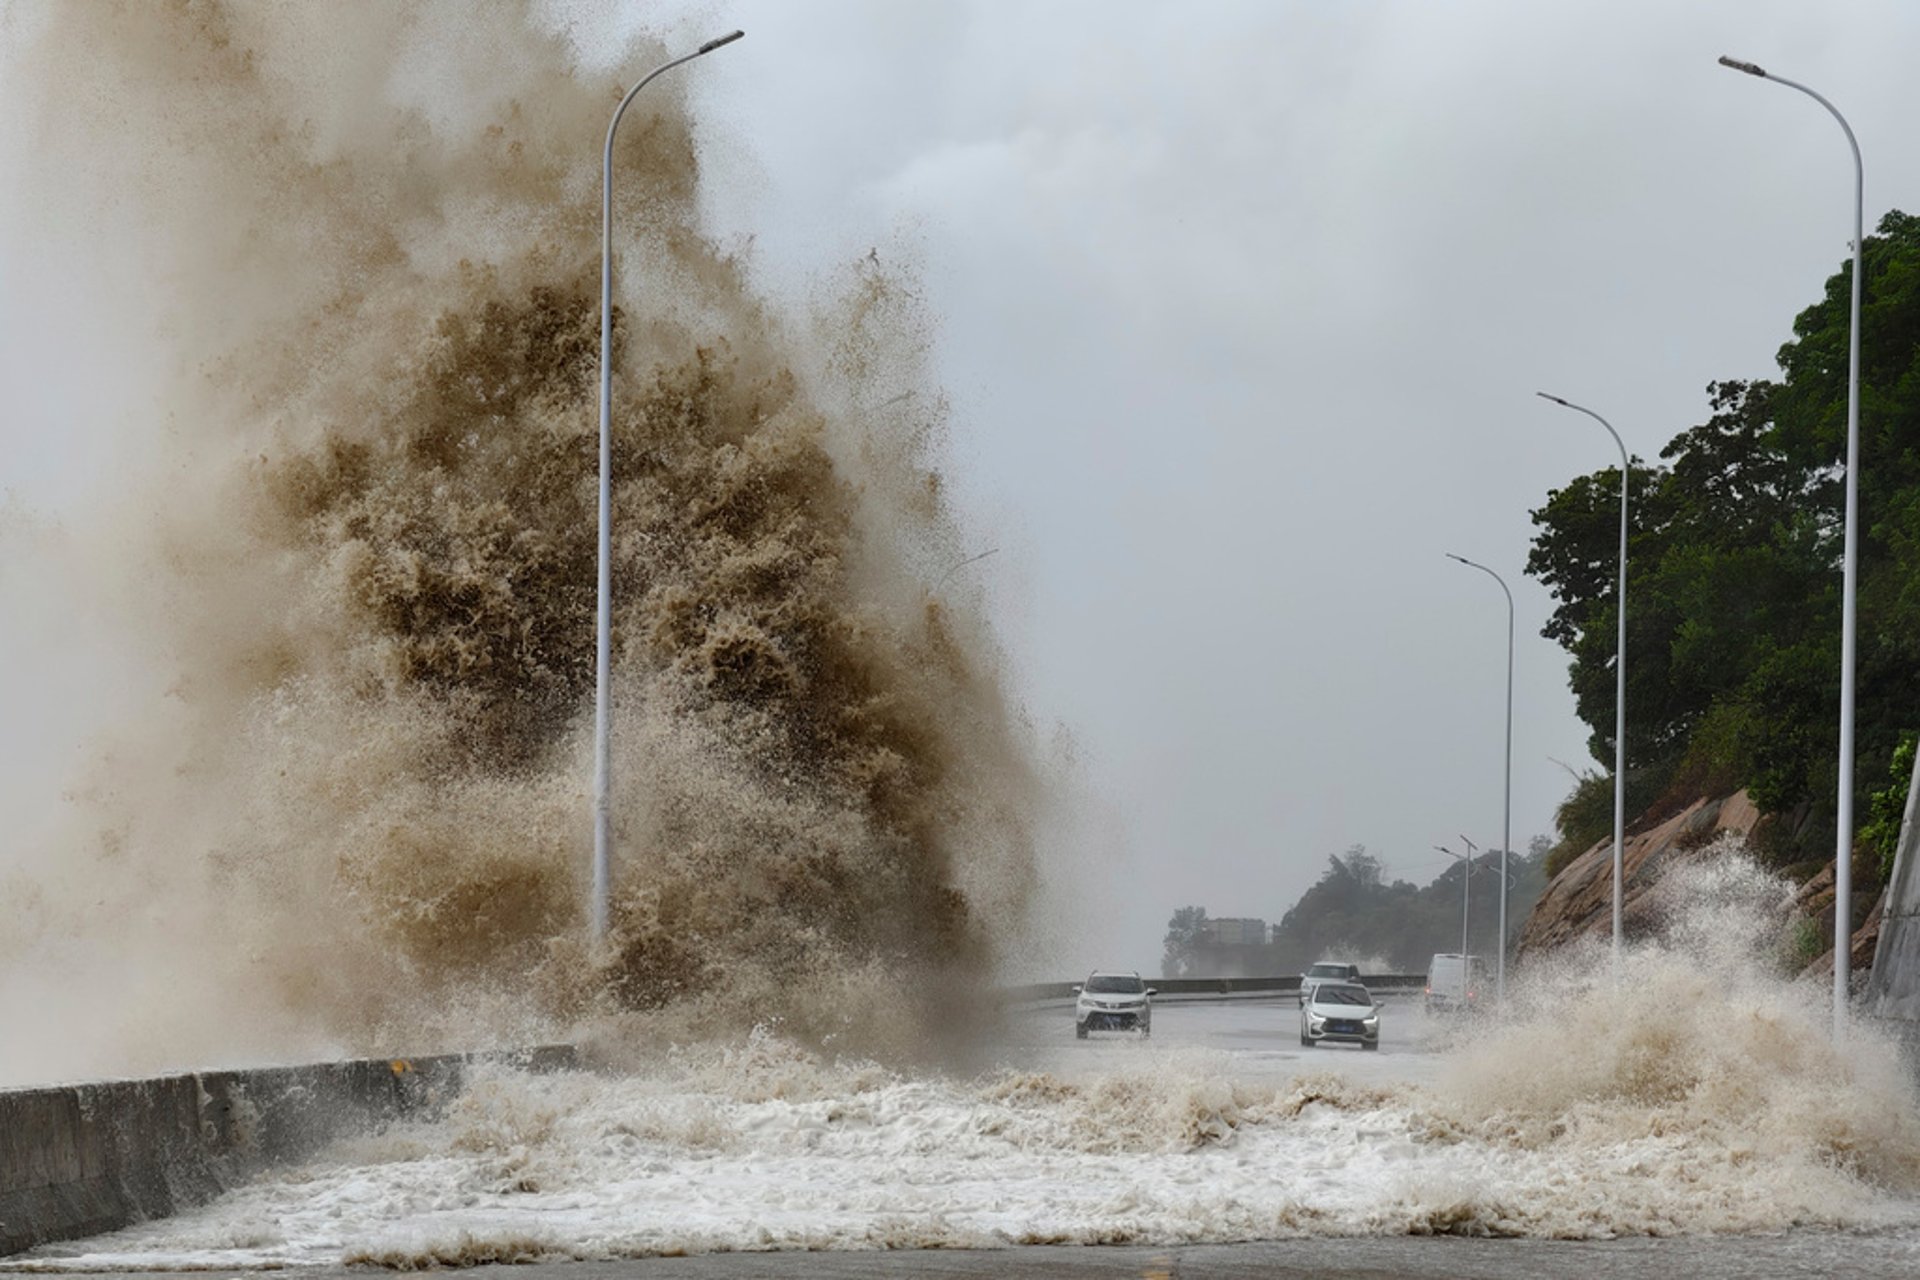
pixel 1580 899
pixel 1814 901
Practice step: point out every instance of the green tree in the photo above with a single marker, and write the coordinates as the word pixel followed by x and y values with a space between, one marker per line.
pixel 1880 834
pixel 1352 911
pixel 1734 546
pixel 1183 940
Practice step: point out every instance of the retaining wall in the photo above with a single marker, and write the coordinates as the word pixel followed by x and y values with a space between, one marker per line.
pixel 78 1160
pixel 1893 988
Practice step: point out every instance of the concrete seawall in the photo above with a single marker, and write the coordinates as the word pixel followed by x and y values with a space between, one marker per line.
pixel 78 1160
pixel 1893 988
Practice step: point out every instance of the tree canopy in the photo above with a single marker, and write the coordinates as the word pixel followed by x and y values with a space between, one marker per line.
pixel 1183 941
pixel 1354 913
pixel 1734 553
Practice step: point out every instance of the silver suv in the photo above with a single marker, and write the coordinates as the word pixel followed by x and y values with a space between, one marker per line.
pixel 1326 971
pixel 1113 1002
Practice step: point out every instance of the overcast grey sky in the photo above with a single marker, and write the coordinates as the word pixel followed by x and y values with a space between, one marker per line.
pixel 1241 308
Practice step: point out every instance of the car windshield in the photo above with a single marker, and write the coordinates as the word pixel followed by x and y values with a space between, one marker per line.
pixel 1327 971
pixel 1327 993
pixel 1116 985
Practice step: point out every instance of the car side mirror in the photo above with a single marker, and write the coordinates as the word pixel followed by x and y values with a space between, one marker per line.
pixel 1076 988
pixel 1153 991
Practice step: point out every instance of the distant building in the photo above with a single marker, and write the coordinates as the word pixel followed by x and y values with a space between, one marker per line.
pixel 1233 931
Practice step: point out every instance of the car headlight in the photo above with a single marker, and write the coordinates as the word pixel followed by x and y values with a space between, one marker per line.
pixel 1315 1021
pixel 1371 1020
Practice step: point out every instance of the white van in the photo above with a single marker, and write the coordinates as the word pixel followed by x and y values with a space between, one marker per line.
pixel 1455 982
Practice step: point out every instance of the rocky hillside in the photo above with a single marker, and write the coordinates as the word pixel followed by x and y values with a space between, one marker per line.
pixel 1578 901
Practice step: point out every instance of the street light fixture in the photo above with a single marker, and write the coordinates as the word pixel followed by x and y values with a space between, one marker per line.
pixel 603 628
pixel 1506 811
pixel 1849 574
pixel 961 564
pixel 1620 683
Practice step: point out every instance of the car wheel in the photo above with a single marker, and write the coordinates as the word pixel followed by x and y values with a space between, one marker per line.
pixel 1306 1042
pixel 1370 1045
pixel 1080 1030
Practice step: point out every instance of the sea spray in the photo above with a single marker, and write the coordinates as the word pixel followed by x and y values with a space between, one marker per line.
pixel 362 572
pixel 1697 1051
pixel 1698 1095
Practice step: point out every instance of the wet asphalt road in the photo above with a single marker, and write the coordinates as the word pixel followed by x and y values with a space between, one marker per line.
pixel 1801 1253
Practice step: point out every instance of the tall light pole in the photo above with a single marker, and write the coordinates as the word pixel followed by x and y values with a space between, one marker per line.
pixel 1473 851
pixel 1466 896
pixel 603 629
pixel 1506 810
pixel 1620 683
pixel 1849 575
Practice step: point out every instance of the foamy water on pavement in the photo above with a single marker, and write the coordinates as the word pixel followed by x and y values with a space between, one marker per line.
pixel 1220 1128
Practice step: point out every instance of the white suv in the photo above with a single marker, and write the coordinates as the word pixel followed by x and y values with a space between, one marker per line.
pixel 1326 971
pixel 1113 1002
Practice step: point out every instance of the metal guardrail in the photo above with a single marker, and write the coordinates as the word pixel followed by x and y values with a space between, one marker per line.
pixel 1216 988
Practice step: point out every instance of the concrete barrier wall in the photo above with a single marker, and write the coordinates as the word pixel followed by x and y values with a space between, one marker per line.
pixel 1202 988
pixel 82 1159
pixel 1893 988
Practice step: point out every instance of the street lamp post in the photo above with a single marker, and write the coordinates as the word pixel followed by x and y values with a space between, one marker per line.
pixel 1506 811
pixel 1620 683
pixel 1466 894
pixel 1849 574
pixel 1473 851
pixel 603 628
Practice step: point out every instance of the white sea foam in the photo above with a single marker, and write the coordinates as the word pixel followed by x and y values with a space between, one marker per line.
pixel 1171 1151
pixel 1693 1096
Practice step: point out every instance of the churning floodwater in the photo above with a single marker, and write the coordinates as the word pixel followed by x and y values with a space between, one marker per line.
pixel 342 809
pixel 1696 1095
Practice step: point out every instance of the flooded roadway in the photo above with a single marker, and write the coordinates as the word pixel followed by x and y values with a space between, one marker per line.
pixel 1219 1147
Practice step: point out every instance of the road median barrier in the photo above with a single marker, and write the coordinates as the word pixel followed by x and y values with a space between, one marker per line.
pixel 1177 989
